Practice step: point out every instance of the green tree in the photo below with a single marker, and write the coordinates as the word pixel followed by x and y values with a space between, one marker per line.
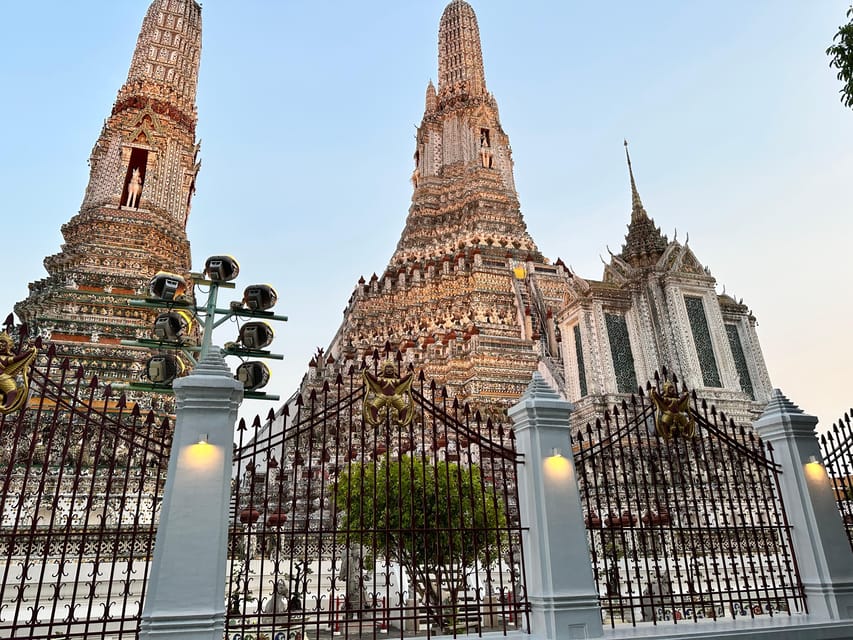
pixel 436 519
pixel 841 57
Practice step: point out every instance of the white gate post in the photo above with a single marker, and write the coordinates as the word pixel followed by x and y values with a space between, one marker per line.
pixel 560 585
pixel 186 589
pixel 820 542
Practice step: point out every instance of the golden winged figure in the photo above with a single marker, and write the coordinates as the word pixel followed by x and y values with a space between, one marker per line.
pixel 672 412
pixel 390 393
pixel 13 365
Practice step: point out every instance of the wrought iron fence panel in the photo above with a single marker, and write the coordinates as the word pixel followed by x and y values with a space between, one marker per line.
pixel 82 476
pixel 381 506
pixel 837 449
pixel 683 512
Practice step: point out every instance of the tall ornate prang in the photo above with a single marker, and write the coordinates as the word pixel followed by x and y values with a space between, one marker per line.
pixel 132 222
pixel 457 295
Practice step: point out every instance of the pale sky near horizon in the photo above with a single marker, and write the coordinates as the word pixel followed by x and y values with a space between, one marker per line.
pixel 307 113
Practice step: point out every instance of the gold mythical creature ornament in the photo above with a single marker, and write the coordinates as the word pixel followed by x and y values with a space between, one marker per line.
pixel 672 412
pixel 12 366
pixel 389 394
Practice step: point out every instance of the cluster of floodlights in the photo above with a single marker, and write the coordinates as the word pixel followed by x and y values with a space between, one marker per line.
pixel 176 325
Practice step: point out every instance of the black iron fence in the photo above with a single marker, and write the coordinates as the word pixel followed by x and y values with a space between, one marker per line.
pixel 82 473
pixel 376 505
pixel 837 448
pixel 684 514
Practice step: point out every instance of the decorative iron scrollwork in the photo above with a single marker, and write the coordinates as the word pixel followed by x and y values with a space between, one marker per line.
pixel 12 367
pixel 388 394
pixel 672 412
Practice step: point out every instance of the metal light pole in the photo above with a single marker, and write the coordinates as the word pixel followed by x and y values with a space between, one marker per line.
pixel 186 588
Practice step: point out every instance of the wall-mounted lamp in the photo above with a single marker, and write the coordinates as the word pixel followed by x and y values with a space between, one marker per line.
pixel 813 460
pixel 202 438
pixel 556 452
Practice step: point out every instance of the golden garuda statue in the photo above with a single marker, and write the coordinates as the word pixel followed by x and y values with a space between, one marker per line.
pixel 388 393
pixel 14 366
pixel 672 412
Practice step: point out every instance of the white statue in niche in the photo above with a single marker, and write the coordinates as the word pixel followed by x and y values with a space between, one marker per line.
pixel 134 188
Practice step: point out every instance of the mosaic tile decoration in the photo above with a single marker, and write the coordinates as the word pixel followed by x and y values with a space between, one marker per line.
pixel 740 360
pixel 702 341
pixel 620 349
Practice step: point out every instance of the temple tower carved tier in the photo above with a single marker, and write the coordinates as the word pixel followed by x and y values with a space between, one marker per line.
pixel 132 222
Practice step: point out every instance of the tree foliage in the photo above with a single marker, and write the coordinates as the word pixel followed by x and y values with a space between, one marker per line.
pixel 841 57
pixel 437 519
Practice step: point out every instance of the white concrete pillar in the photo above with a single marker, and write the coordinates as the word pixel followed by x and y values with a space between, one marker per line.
pixel 560 586
pixel 186 589
pixel 820 542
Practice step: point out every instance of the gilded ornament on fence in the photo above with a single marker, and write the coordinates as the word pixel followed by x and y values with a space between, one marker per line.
pixel 13 366
pixel 389 394
pixel 672 412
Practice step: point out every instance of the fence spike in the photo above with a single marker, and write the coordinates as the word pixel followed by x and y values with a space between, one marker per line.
pixel 256 423
pixel 271 415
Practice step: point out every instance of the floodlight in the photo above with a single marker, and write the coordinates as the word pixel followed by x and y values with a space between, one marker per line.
pixel 172 325
pixel 253 375
pixel 167 286
pixel 260 297
pixel 163 369
pixel 221 268
pixel 256 335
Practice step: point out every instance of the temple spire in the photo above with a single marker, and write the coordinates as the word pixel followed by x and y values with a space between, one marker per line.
pixel 165 61
pixel 637 209
pixel 460 57
pixel 644 243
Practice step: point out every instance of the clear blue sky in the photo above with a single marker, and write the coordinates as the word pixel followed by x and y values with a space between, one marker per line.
pixel 307 112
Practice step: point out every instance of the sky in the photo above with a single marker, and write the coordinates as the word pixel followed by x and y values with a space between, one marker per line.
pixel 307 115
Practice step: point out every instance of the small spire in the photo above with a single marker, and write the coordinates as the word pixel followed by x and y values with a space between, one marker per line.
pixel 637 210
pixel 644 243
pixel 431 100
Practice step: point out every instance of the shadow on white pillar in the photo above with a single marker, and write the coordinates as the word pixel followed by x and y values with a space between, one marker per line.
pixel 560 585
pixel 820 542
pixel 186 590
